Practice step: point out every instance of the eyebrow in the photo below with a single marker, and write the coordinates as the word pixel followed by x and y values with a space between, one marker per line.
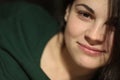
pixel 87 7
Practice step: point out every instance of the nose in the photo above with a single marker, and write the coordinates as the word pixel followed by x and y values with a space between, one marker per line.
pixel 96 34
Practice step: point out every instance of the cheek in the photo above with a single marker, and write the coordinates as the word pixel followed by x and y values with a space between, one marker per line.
pixel 111 41
pixel 74 27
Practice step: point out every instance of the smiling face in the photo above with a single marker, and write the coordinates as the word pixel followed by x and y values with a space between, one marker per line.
pixel 87 37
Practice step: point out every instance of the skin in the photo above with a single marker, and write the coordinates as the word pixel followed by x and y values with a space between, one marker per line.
pixel 89 28
pixel 85 25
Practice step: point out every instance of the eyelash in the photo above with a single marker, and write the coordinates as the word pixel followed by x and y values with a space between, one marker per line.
pixel 85 15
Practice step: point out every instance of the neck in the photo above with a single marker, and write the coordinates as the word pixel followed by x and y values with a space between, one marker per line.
pixel 75 70
pixel 66 65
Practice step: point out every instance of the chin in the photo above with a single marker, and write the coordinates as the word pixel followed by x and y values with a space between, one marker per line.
pixel 90 63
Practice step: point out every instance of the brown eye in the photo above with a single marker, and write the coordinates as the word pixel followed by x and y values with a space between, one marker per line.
pixel 85 15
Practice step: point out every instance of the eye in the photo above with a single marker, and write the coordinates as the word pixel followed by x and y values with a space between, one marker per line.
pixel 85 15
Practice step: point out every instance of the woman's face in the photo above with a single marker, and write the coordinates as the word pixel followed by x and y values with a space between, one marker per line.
pixel 87 37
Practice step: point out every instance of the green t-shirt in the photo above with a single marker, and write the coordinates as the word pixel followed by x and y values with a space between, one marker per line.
pixel 24 31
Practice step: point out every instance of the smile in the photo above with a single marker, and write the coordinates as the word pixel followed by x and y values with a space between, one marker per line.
pixel 90 50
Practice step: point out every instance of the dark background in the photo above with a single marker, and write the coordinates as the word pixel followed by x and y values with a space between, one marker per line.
pixel 54 7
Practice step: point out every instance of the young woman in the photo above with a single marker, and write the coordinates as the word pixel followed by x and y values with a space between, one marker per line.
pixel 87 48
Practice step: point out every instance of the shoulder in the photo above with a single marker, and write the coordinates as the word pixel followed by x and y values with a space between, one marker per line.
pixel 23 29
pixel 24 15
pixel 17 9
pixel 22 21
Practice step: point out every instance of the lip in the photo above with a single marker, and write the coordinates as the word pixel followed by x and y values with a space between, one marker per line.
pixel 90 50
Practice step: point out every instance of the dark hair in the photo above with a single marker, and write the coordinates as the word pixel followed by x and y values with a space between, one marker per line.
pixel 62 21
pixel 110 71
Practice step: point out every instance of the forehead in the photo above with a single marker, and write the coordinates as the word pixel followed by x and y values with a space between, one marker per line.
pixel 94 4
pixel 100 7
pixel 104 2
